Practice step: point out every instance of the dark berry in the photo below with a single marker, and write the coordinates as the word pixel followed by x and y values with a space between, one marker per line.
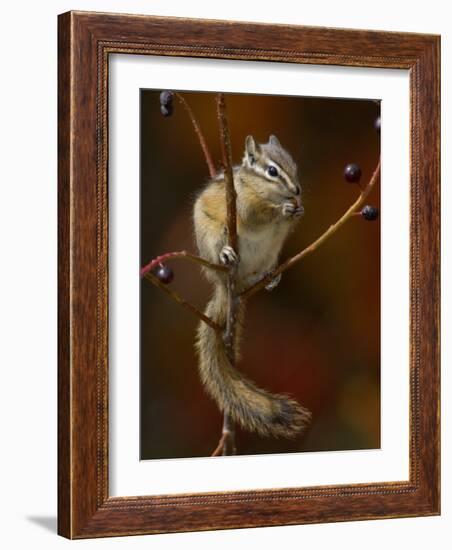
pixel 377 124
pixel 352 173
pixel 166 98
pixel 166 110
pixel 370 213
pixel 164 274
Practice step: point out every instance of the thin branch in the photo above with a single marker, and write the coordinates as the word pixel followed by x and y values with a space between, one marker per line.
pixel 184 255
pixel 201 138
pixel 315 245
pixel 227 441
pixel 231 195
pixel 231 213
pixel 172 294
pixel 220 447
pixel 229 447
pixel 226 445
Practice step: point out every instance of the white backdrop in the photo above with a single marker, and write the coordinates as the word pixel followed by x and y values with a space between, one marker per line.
pixel 28 270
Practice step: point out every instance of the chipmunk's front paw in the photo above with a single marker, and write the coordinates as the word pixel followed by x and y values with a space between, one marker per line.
pixel 274 282
pixel 290 209
pixel 228 256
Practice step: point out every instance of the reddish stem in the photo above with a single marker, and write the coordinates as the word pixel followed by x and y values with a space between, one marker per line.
pixel 201 138
pixel 231 195
pixel 182 254
pixel 187 305
pixel 227 444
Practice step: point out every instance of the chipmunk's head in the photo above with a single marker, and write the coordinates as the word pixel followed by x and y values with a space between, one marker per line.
pixel 273 164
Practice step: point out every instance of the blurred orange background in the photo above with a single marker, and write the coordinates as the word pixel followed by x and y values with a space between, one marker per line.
pixel 317 336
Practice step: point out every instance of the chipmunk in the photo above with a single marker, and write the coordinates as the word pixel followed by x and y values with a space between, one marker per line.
pixel 268 208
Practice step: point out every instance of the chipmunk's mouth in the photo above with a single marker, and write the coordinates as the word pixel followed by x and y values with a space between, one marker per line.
pixel 295 200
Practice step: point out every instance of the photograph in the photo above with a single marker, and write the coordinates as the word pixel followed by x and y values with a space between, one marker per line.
pixel 260 274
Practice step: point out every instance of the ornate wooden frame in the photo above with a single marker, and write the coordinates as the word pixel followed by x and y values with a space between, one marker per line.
pixel 85 42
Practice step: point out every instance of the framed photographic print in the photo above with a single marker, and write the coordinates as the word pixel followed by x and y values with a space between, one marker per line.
pixel 248 295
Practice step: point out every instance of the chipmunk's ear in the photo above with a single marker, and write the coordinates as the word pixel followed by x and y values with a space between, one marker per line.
pixel 252 149
pixel 273 140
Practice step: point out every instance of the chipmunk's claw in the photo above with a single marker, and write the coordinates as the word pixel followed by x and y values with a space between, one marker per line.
pixel 228 256
pixel 274 282
pixel 290 209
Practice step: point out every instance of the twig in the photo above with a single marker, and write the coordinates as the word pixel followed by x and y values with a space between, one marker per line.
pixel 219 448
pixel 231 214
pixel 172 294
pixel 226 445
pixel 229 447
pixel 231 195
pixel 315 245
pixel 201 138
pixel 228 442
pixel 184 255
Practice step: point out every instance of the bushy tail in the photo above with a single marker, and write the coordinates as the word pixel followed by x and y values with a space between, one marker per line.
pixel 253 408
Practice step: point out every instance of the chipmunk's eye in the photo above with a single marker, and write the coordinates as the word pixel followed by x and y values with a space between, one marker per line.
pixel 272 171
